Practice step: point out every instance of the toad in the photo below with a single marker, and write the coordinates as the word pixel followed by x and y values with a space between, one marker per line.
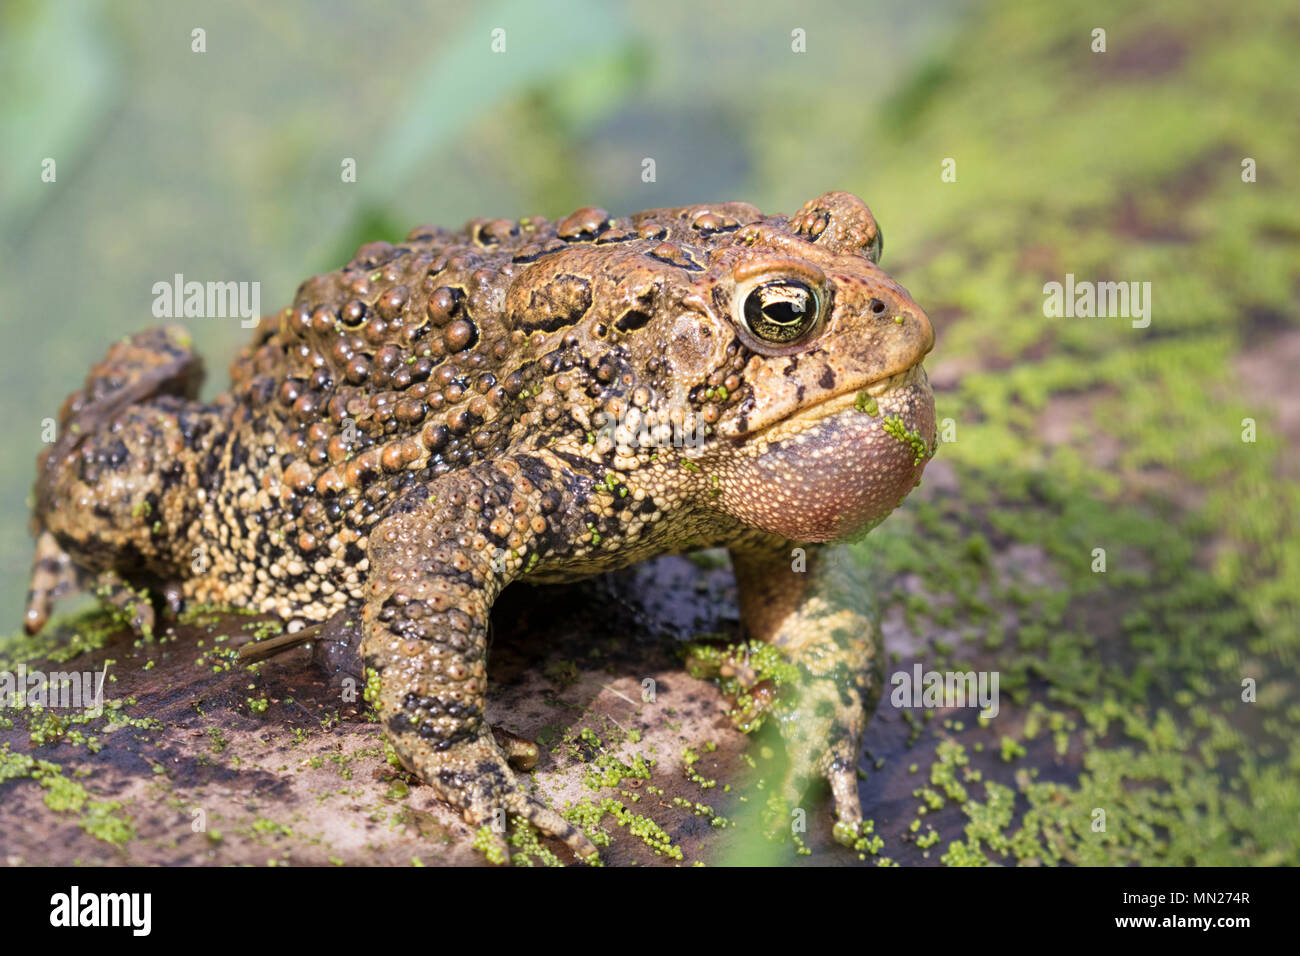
pixel 521 400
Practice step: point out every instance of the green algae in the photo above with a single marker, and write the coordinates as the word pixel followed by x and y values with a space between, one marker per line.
pixel 608 770
pixel 587 816
pixel 103 819
pixel 897 429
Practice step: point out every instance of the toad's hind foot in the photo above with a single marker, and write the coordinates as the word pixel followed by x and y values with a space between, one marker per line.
pixel 144 366
pixel 154 362
pixel 54 575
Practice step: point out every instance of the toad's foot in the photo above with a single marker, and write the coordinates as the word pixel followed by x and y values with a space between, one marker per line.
pixel 823 622
pixel 475 777
pixel 819 723
pixel 337 650
pixel 822 737
pixel 521 752
pixel 53 575
pixel 752 695
pixel 135 605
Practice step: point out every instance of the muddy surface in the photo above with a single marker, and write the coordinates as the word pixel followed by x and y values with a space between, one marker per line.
pixel 203 779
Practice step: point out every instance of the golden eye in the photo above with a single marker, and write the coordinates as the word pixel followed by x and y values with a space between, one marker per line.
pixel 781 310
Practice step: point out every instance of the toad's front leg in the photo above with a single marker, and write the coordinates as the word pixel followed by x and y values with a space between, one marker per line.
pixel 437 563
pixel 815 604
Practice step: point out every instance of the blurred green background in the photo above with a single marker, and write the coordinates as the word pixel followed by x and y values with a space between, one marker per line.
pixel 1067 434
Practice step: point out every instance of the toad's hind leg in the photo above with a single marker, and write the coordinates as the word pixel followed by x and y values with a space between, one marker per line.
pixel 109 490
pixel 54 574
pixel 146 365
pixel 436 565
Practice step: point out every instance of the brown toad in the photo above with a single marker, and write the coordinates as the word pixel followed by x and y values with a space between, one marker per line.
pixel 521 400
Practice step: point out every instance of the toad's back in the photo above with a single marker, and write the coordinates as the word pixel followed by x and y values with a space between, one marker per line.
pixel 421 358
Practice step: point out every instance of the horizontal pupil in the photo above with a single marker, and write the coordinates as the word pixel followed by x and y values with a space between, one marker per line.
pixel 783 313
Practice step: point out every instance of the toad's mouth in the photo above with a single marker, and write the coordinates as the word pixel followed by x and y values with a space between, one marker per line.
pixel 838 468
pixel 881 393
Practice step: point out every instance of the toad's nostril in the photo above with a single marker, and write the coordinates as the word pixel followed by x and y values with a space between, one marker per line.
pixel 877 306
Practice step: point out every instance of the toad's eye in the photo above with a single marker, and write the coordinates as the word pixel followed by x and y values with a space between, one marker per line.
pixel 781 310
